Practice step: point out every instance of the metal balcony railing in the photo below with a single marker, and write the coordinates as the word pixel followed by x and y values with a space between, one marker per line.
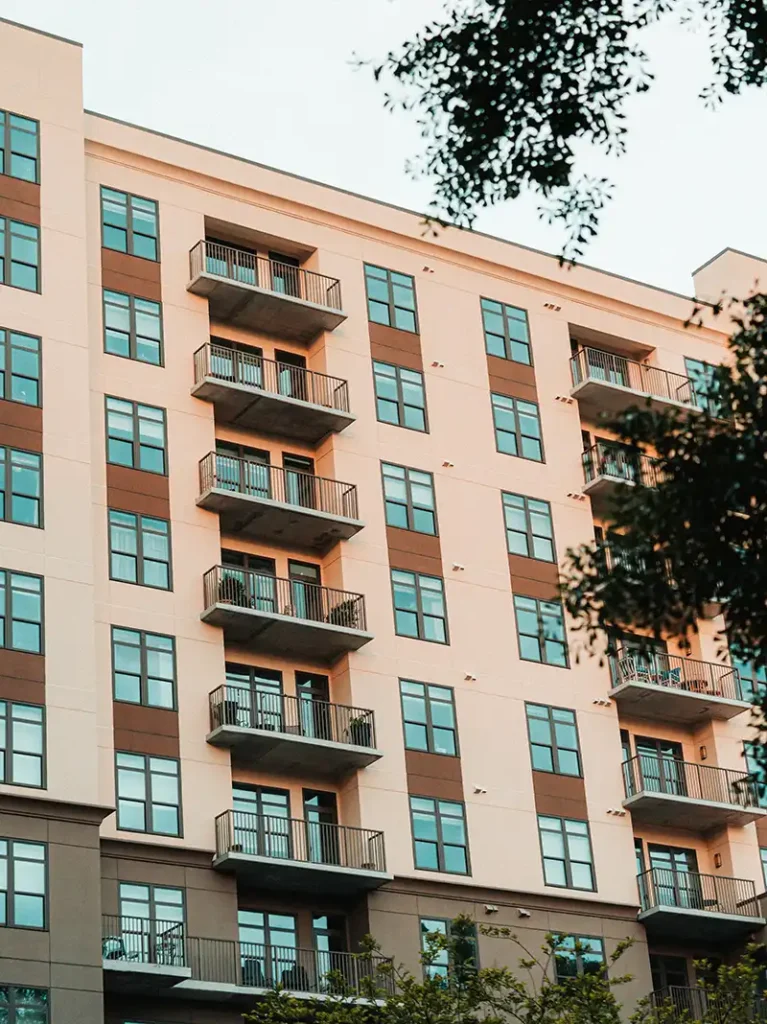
pixel 273 483
pixel 616 463
pixel 593 364
pixel 691 1004
pixel 253 371
pixel 274 595
pixel 256 965
pixel 296 716
pixel 143 941
pixel 306 842
pixel 243 267
pixel 677 673
pixel 690 890
pixel 650 773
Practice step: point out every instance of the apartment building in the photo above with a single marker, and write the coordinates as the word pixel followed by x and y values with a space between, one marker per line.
pixel 282 660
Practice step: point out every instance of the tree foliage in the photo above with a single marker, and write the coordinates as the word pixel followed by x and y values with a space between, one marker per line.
pixel 502 89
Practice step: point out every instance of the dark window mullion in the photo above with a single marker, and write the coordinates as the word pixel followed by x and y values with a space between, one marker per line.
pixel 440 837
pixel 140 550
pixel 132 345
pixel 129 223
pixel 143 670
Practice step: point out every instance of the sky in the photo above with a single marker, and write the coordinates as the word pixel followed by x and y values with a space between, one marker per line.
pixel 275 81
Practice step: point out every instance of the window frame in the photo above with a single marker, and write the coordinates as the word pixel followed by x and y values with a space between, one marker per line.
pixel 555 747
pixel 7 349
pixel 7 148
pixel 132 330
pixel 567 860
pixel 401 404
pixel 529 534
pixel 8 750
pixel 694 369
pixel 506 333
pixel 518 435
pixel 541 636
pixel 446 922
pixel 13 1005
pixel 410 506
pixel 577 955
pixel 129 196
pixel 148 802
pixel 440 840
pixel 6 615
pixel 419 612
pixel 6 255
pixel 763 858
pixel 139 556
pixel 391 303
pixel 135 441
pixel 6 469
pixel 143 679
pixel 429 724
pixel 151 901
pixel 10 890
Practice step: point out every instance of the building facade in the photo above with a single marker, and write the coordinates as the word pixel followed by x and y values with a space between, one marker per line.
pixel 283 664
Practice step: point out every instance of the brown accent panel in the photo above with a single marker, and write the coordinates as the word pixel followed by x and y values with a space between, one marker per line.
pixel 531 577
pixel 21 426
pixel 145 730
pixel 22 676
pixel 435 775
pixel 135 490
pixel 417 552
pixel 562 796
pixel 390 345
pixel 131 274
pixel 19 199
pixel 510 378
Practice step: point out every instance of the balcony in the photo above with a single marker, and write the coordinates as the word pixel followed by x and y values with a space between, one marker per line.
pixel 273 398
pixel 609 469
pixel 264 295
pixel 604 382
pixel 270 503
pixel 678 1002
pixel 301 856
pixel 143 955
pixel 667 793
pixel 686 906
pixel 670 688
pixel 276 615
pixel 274 732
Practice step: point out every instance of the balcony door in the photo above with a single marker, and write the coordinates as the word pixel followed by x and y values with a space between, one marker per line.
pixel 241 364
pixel 300 482
pixel 661 764
pixel 644 661
pixel 329 935
pixel 237 262
pixel 286 277
pixel 256 696
pixel 608 367
pixel 613 460
pixel 151 925
pixel 313 692
pixel 675 878
pixel 321 817
pixel 250 580
pixel 305 592
pixel 291 375
pixel 243 470
pixel 262 821
pixel 268 948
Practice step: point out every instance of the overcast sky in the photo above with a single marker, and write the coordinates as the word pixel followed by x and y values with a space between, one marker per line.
pixel 272 80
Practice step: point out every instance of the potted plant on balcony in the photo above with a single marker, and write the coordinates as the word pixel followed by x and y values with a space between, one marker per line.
pixel 360 732
pixel 345 613
pixel 231 590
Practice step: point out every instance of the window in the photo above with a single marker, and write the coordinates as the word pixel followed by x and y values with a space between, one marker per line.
pixel 763 855
pixel 20 487
pixel 22 744
pixel 139 550
pixel 132 327
pixel 129 224
pixel 751 750
pixel 19 254
pixel 158 904
pixel 19 367
pixel 22 884
pixel 391 298
pixel 439 835
pixel 506 331
pixel 21 612
pixel 464 947
pixel 19 1005
pixel 566 848
pixel 148 794
pixel 704 386
pixel 529 530
pixel 753 677
pixel 409 499
pixel 553 735
pixel 517 427
pixel 19 146
pixel 541 631
pixel 143 667
pixel 136 435
pixel 577 955
pixel 419 606
pixel 400 396
pixel 428 714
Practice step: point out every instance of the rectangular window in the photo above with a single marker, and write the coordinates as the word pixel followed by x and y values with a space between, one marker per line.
pixel 19 254
pixel 148 794
pixel 541 631
pixel 23 884
pixel 419 606
pixel 136 435
pixel 155 904
pixel 391 298
pixel 517 427
pixel 553 735
pixel 577 955
pixel 566 847
pixel 529 529
pixel 507 334
pixel 20 487
pixel 133 327
pixel 753 677
pixel 439 835
pixel 19 367
pixel 21 1005
pixel 763 854
pixel 755 770
pixel 22 744
pixel 436 927
pixel 428 715
pixel 705 389
pixel 400 396
pixel 409 498
pixel 143 667
pixel 19 146
pixel 21 611
pixel 139 549
pixel 129 224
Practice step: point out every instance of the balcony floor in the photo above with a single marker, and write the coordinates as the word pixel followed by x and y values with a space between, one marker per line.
pixel 596 396
pixel 291 754
pixel 299 876
pixel 135 977
pixel 680 924
pixel 664 810
pixel 667 704
pixel 265 519
pixel 603 487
